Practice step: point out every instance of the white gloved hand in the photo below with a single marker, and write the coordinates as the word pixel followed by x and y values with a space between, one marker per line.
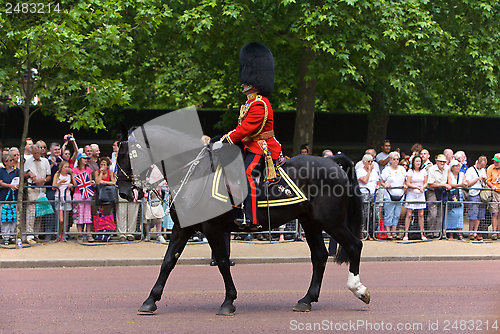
pixel 217 145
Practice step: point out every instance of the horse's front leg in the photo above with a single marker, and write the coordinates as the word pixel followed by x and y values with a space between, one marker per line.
pixel 215 236
pixel 178 241
pixel 319 257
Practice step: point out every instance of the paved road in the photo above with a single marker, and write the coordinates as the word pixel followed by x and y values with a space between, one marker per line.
pixel 411 294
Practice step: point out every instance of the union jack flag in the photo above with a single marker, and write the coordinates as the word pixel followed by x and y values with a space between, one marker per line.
pixel 83 183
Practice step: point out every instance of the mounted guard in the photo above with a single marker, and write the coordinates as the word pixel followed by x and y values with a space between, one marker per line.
pixel 255 130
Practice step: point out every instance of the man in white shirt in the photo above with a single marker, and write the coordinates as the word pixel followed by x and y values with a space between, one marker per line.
pixel 37 172
pixel 476 179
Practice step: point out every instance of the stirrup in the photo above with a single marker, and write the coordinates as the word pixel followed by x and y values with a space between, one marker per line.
pixel 242 222
pixel 246 223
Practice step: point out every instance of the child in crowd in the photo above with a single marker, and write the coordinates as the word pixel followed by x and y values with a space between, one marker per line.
pixel 63 179
pixel 83 195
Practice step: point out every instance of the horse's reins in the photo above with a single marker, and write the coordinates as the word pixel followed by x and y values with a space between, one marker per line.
pixel 191 167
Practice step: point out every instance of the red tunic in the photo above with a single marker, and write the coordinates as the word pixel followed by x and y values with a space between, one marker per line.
pixel 252 117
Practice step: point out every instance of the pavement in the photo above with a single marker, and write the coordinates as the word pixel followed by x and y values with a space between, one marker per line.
pixel 144 253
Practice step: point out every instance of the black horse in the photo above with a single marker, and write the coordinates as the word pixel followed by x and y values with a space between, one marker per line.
pixel 334 205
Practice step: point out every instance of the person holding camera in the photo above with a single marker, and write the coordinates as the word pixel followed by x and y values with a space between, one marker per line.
pixel 71 158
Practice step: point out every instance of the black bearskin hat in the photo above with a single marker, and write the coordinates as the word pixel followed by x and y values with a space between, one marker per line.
pixel 257 67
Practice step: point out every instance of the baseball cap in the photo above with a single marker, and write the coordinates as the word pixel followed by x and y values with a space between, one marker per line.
pixel 441 157
pixel 80 156
pixel 454 163
pixel 496 157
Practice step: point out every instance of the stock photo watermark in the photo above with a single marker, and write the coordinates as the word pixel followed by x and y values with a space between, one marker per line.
pixel 455 325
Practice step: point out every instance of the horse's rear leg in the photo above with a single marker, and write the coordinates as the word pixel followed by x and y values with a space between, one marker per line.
pixel 319 257
pixel 178 241
pixel 352 246
pixel 215 236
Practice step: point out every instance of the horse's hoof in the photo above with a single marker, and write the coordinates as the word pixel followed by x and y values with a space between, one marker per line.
pixel 302 307
pixel 365 297
pixel 226 310
pixel 147 308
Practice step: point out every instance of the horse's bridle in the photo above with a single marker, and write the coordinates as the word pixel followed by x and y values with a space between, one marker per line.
pixel 191 165
pixel 124 176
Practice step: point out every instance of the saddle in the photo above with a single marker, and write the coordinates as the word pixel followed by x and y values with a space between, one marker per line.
pixel 282 190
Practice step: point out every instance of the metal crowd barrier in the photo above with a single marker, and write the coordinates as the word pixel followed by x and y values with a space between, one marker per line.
pixel 433 210
pixel 47 226
pixel 460 212
pixel 443 218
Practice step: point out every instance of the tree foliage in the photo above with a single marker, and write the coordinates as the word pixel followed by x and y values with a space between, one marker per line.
pixel 377 57
pixel 73 51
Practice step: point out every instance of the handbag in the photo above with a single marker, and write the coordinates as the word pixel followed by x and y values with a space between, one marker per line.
pixel 395 198
pixel 105 194
pixel 43 206
pixel 453 195
pixel 486 195
pixel 155 209
pixel 104 222
pixel 9 214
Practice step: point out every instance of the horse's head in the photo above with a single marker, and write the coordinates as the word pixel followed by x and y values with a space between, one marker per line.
pixel 126 187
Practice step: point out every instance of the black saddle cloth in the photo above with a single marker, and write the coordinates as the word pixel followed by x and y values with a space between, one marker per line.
pixel 282 190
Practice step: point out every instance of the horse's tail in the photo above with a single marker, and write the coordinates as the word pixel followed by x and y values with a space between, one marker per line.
pixel 354 218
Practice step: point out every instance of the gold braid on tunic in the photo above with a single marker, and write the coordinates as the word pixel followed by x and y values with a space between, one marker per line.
pixel 244 112
pixel 270 172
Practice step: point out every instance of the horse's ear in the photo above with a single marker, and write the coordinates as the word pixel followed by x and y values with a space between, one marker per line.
pixel 123 131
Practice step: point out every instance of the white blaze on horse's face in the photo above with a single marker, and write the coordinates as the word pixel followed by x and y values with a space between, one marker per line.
pixel 135 194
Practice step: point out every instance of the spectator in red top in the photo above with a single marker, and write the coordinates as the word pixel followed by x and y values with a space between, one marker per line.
pixel 104 175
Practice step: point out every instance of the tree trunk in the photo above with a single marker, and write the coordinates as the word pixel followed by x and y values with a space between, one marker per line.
pixel 19 211
pixel 29 93
pixel 304 119
pixel 377 122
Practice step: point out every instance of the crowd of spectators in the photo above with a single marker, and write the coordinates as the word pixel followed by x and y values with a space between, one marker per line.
pixel 411 181
pixel 404 181
pixel 66 176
